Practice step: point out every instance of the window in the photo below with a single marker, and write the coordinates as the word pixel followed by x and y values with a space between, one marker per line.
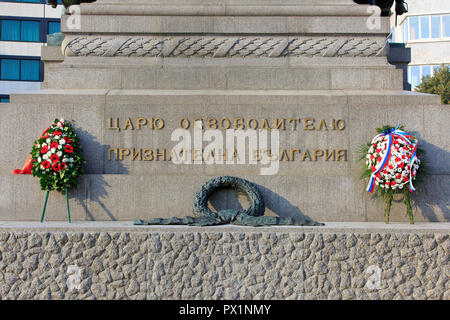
pixel 436 27
pixel 29 31
pixel 20 30
pixel 446 22
pixel 10 30
pixel 426 71
pixel 20 69
pixel 415 73
pixel 426 27
pixel 54 27
pixel 29 70
pixel 4 99
pixel 414 76
pixel 10 69
pixel 414 28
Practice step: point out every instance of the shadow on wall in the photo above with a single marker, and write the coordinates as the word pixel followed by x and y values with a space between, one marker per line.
pixel 95 186
pixel 434 193
pixel 227 198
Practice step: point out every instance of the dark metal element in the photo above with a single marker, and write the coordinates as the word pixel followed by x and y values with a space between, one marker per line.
pixel 68 3
pixel 253 216
pixel 401 6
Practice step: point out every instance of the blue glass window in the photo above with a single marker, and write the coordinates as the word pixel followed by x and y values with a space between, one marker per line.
pixel 426 71
pixel 20 69
pixel 30 31
pixel 424 27
pixel 436 27
pixel 10 69
pixel 20 30
pixel 406 30
pixel 4 99
pixel 436 69
pixel 29 70
pixel 414 28
pixel 54 27
pixel 415 76
pixel 10 30
pixel 446 22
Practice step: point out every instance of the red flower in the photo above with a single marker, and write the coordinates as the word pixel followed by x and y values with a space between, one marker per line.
pixel 374 169
pixel 379 159
pixel 54 145
pixel 68 140
pixel 54 158
pixel 62 166
pixel 68 148
pixel 397 159
pixel 44 149
pixel 57 133
pixel 46 164
pixel 46 136
pixel 399 176
pixel 56 167
pixel 378 175
pixel 378 150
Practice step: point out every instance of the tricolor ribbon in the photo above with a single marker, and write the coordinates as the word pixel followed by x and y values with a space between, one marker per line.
pixel 392 133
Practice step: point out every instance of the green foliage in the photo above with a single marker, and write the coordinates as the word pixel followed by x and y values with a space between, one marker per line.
pixel 58 168
pixel 437 84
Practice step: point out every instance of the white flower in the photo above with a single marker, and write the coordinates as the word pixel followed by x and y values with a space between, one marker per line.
pixel 45 157
pixel 41 167
pixel 65 160
pixel 44 144
pixel 59 153
pixel 57 137
pixel 59 147
pixel 48 154
pixel 48 140
pixel 62 141
pixel 38 146
pixel 53 150
pixel 39 159
pixel 70 159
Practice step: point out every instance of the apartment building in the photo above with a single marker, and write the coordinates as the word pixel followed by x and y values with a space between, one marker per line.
pixel 24 25
pixel 426 30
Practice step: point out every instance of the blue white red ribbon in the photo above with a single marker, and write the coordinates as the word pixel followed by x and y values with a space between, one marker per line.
pixel 392 133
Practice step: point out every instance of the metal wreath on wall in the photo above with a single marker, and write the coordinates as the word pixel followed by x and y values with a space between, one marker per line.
pixel 253 216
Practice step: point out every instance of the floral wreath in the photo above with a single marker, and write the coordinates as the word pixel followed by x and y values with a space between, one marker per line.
pixel 392 164
pixel 56 157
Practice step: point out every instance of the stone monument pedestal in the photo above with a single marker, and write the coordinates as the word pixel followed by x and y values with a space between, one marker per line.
pixel 134 73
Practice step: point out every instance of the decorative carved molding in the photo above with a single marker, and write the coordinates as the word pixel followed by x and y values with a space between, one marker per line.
pixel 247 46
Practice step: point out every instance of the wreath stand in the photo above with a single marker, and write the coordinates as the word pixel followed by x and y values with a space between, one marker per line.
pixel 45 205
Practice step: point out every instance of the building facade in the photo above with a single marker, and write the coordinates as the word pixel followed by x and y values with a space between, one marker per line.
pixel 24 26
pixel 425 29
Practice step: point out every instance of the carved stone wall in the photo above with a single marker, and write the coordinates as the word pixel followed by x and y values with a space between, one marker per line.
pixel 207 46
